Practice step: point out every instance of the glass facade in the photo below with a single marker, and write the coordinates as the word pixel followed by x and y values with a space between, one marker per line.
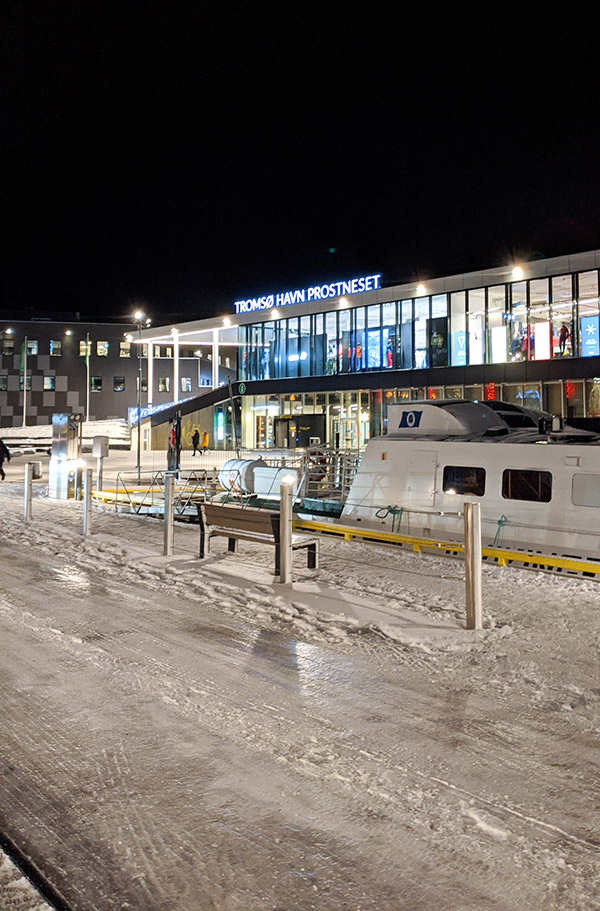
pixel 538 320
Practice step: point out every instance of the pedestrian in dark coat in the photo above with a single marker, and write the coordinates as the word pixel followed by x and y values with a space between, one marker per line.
pixel 195 442
pixel 4 454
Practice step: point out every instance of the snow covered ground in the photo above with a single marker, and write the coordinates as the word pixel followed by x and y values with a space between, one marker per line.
pixel 186 736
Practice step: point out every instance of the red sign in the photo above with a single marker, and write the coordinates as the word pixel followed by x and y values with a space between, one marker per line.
pixel 490 392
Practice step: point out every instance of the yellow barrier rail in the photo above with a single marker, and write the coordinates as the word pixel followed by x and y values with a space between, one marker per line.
pixel 501 555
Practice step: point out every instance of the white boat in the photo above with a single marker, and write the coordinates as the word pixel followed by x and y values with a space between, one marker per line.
pixel 539 487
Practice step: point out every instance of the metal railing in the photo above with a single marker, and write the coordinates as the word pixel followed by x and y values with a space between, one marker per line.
pixel 190 487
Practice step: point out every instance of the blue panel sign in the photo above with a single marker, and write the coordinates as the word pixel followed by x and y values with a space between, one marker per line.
pixel 459 349
pixel 410 419
pixel 590 336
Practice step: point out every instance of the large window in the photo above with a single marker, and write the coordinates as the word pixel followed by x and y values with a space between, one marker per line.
pixel 522 484
pixel 119 384
pixel 458 329
pixel 102 349
pixel 518 330
pixel 540 335
pixel 476 324
pixel 585 490
pixel 55 348
pixel 389 339
pixel 8 346
pixel 28 384
pixel 497 345
pixel 562 316
pixel 49 383
pixel 96 383
pixel 124 349
pixel 438 330
pixel 462 479
pixel 406 337
pixel 589 322
pixel 421 325
pixel 374 337
pixel 331 342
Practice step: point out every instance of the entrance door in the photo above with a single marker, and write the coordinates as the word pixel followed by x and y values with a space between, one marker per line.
pixel 420 488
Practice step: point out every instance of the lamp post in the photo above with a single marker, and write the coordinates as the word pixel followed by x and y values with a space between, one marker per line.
pixel 138 316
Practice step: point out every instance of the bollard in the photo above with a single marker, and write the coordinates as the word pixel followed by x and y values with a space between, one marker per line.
pixel 169 503
pixel 28 490
pixel 87 501
pixel 285 530
pixel 473 565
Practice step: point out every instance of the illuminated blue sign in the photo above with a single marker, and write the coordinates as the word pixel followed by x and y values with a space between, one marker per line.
pixel 590 336
pixel 316 293
pixel 459 349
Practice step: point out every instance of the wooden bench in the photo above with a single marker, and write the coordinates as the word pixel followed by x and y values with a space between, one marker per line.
pixel 249 524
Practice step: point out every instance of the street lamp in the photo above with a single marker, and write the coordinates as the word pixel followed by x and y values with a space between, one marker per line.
pixel 138 318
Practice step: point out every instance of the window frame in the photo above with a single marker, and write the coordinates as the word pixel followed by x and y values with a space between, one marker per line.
pixel 463 491
pixel 507 476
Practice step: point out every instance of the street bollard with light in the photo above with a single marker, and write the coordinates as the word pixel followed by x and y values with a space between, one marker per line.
pixel 285 529
pixel 472 521
pixel 28 490
pixel 87 501
pixel 169 508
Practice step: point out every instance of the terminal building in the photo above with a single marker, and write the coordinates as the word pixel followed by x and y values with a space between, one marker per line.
pixel 284 369
pixel 323 363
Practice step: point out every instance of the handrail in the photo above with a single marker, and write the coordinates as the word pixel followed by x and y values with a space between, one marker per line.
pixel 503 556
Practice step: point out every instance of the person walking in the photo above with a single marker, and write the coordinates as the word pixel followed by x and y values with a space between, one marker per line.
pixel 563 337
pixel 205 441
pixel 4 454
pixel 195 442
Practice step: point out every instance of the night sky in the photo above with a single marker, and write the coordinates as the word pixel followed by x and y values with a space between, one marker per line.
pixel 183 156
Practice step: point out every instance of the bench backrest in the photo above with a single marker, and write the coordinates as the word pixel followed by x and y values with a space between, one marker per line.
pixel 260 521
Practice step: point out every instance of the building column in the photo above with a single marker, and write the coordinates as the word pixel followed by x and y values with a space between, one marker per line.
pixel 215 359
pixel 175 334
pixel 150 356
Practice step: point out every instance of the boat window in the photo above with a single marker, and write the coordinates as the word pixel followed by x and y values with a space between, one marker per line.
pixel 585 490
pixel 464 480
pixel 520 484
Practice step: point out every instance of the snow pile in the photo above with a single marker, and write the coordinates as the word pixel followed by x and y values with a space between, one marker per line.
pixel 16 892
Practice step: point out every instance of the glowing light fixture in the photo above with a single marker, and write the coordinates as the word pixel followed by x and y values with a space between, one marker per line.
pixel 517 273
pixel 68 332
pixel 421 289
pixel 226 321
pixel 138 316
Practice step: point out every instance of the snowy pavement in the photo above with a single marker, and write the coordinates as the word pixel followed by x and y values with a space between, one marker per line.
pixel 183 735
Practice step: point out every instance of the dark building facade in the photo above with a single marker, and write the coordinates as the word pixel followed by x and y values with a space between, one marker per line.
pixel 92 369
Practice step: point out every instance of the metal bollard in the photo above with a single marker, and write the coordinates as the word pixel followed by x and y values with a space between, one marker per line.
pixel 169 504
pixel 28 490
pixel 473 565
pixel 285 530
pixel 87 501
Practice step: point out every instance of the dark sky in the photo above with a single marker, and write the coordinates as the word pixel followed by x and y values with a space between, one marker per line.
pixel 185 155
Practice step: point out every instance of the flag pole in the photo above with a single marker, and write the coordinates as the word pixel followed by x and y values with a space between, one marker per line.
pixel 87 374
pixel 24 370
